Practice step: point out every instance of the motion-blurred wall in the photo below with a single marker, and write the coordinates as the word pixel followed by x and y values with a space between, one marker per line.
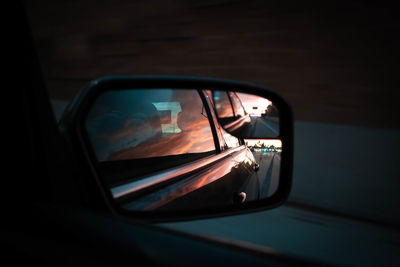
pixel 334 61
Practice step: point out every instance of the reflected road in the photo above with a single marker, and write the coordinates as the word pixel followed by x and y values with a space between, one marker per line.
pixel 266 179
pixel 262 127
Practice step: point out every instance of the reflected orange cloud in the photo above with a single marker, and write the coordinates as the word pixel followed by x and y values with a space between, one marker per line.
pixel 141 135
pixel 197 138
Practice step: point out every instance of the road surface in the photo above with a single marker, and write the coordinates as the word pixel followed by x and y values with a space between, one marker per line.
pixel 267 177
pixel 262 127
pixel 306 234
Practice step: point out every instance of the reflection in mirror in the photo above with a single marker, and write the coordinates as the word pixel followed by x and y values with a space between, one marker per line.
pixel 267 153
pixel 246 115
pixel 164 149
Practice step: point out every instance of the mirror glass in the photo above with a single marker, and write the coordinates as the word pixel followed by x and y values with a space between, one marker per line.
pixel 169 149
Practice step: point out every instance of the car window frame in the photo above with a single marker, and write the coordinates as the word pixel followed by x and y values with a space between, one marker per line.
pixel 230 103
pixel 202 102
pixel 233 102
pixel 211 125
pixel 220 130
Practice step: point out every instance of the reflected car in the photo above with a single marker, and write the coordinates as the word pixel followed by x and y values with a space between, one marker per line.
pixel 230 111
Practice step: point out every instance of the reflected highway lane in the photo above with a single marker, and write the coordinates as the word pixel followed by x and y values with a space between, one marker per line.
pixel 262 126
pixel 269 171
pixel 265 180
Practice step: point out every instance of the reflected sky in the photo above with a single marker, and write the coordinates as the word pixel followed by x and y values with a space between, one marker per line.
pixel 195 139
pixel 254 105
pixel 130 124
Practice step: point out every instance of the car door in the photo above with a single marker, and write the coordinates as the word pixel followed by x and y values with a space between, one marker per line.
pixel 243 157
pixel 231 171
pixel 159 149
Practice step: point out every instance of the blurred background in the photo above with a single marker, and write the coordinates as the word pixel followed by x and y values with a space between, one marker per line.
pixel 336 63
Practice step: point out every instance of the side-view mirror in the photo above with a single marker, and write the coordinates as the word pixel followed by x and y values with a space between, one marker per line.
pixel 175 148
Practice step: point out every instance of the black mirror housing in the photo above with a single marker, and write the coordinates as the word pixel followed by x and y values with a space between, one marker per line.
pixel 75 127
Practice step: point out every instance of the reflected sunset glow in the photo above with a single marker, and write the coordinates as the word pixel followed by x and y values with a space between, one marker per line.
pixel 254 105
pixel 149 123
pixel 196 138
